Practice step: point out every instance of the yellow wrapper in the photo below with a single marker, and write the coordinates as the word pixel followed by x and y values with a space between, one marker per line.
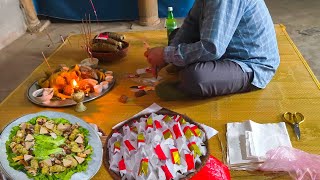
pixel 134 129
pixel 195 148
pixel 140 137
pixel 182 121
pixel 167 134
pixel 176 157
pixel 117 144
pixel 149 121
pixel 166 118
pixel 188 133
pixel 144 167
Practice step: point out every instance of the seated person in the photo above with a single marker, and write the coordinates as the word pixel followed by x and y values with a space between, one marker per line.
pixel 222 47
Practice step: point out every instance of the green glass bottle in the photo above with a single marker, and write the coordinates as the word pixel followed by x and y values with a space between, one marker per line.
pixel 171 23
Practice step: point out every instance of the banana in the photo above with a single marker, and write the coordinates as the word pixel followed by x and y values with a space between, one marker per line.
pixel 101 75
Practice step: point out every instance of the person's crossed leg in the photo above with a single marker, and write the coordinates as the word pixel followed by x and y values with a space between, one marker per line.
pixel 207 79
pixel 214 78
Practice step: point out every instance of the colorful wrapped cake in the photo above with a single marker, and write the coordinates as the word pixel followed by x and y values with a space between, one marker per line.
pixel 156 146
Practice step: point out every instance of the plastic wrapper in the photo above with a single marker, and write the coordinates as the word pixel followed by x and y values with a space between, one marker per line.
pixel 299 164
pixel 213 170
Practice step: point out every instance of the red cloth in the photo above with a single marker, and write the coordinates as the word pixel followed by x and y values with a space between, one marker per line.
pixel 213 170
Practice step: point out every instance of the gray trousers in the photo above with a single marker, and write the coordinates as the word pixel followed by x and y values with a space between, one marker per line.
pixel 215 78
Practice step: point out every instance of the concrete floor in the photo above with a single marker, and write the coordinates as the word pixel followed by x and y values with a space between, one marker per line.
pixel 20 58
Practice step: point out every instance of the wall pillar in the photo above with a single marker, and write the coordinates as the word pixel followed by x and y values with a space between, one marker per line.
pixel 32 21
pixel 148 12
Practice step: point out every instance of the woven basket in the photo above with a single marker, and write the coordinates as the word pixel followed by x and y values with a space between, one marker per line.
pixel 116 176
pixel 112 56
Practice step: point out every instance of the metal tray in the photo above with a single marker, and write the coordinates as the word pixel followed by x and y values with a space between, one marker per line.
pixel 94 141
pixel 66 102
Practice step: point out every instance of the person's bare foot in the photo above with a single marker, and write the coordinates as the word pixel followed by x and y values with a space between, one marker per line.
pixel 169 91
pixel 173 69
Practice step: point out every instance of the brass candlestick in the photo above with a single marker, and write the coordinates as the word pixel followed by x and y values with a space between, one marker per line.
pixel 78 98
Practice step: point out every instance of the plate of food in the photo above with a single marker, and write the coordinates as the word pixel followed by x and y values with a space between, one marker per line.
pixel 50 145
pixel 56 89
pixel 161 145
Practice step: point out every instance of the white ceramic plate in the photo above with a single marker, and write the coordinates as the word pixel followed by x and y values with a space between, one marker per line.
pixel 94 141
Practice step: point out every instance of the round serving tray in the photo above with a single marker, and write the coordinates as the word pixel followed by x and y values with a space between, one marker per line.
pixel 163 111
pixel 94 141
pixel 66 102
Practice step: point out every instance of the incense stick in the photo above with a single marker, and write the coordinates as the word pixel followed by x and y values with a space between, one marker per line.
pixel 62 38
pixel 146 45
pixel 94 10
pixel 86 31
pixel 47 62
pixel 45 31
pixel 89 38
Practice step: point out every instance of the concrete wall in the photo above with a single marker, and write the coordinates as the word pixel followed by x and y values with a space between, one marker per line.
pixel 12 23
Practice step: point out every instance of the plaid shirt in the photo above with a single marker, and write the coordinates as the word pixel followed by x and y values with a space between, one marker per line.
pixel 238 30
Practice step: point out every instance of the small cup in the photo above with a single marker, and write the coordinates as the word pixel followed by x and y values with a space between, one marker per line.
pixel 43 95
pixel 105 84
pixel 108 78
pixel 97 88
pixel 109 73
pixel 91 62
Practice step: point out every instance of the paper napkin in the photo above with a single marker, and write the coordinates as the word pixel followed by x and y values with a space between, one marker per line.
pixel 249 141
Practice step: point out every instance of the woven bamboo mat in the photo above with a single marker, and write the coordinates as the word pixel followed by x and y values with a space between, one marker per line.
pixel 294 88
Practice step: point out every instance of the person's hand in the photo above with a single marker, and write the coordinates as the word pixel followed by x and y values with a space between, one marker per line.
pixel 155 59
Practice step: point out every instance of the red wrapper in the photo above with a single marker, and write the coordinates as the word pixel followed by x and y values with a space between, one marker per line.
pixel 122 165
pixel 160 152
pixel 102 36
pixel 129 145
pixel 167 172
pixel 213 170
pixel 177 130
pixel 190 161
pixel 177 118
pixel 158 125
